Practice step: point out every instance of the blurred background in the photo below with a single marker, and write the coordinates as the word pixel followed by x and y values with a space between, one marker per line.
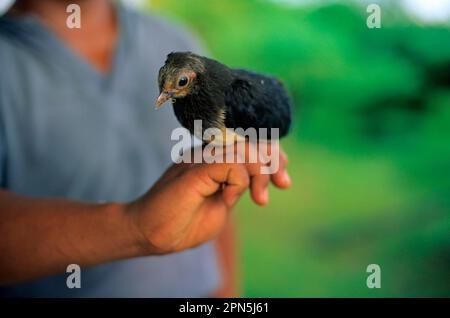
pixel 369 151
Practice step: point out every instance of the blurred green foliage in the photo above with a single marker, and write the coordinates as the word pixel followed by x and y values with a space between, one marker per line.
pixel 369 153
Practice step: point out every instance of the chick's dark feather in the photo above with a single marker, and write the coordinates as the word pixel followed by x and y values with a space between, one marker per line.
pixel 245 99
pixel 259 101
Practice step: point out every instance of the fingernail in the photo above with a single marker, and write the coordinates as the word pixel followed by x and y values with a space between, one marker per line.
pixel 286 178
pixel 265 196
pixel 234 199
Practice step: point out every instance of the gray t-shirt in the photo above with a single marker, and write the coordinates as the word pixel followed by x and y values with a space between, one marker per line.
pixel 68 131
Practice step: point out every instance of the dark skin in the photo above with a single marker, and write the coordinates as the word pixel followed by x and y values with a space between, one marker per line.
pixel 98 17
pixel 41 236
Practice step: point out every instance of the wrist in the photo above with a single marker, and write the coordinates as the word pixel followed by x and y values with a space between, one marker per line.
pixel 128 229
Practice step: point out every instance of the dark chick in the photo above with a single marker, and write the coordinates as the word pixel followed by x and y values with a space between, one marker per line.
pixel 203 89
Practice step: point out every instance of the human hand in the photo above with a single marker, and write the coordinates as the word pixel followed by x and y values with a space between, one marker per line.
pixel 190 203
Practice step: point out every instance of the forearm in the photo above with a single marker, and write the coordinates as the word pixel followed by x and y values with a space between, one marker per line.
pixel 40 237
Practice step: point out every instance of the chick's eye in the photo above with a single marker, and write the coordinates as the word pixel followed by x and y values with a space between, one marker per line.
pixel 182 81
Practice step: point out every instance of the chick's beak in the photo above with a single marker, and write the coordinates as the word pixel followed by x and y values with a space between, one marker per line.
pixel 162 98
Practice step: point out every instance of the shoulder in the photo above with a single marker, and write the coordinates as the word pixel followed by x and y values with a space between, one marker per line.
pixel 155 31
pixel 20 39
